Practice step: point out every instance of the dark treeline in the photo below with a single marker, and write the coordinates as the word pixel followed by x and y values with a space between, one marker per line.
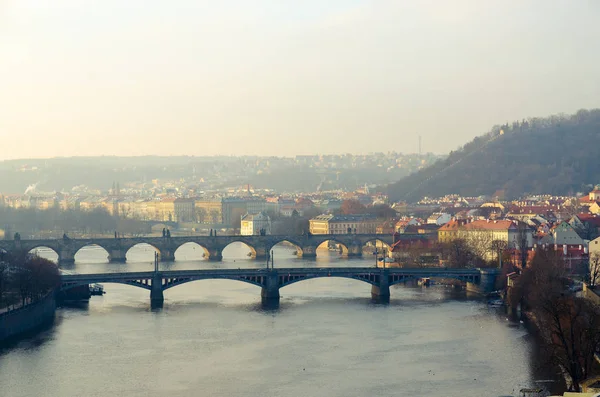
pixel 569 325
pixel 554 155
pixel 98 221
pixel 25 278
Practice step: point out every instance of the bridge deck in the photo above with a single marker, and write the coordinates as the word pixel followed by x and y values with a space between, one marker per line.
pixel 430 272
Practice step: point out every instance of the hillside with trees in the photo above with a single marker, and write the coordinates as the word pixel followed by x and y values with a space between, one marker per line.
pixel 554 155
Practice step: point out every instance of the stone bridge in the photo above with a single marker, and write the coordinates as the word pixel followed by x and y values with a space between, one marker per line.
pixel 213 246
pixel 272 280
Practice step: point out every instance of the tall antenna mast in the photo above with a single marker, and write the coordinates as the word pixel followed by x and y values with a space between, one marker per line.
pixel 419 146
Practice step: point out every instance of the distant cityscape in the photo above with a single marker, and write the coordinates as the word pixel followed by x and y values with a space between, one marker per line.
pixel 197 206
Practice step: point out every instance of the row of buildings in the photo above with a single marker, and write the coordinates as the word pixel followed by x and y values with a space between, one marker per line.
pixel 223 211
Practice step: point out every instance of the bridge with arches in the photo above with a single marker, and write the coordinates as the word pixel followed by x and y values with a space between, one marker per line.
pixel 352 245
pixel 272 280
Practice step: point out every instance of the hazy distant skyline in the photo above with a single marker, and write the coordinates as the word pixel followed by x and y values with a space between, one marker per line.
pixel 278 77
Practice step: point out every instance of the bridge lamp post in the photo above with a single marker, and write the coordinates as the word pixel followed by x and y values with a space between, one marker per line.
pixel 375 254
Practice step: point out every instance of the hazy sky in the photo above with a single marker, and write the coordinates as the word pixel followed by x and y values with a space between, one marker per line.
pixel 283 77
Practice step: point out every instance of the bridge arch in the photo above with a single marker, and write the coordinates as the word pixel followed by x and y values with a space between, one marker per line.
pixel 297 246
pixel 257 280
pixel 93 246
pixel 251 247
pixel 141 251
pixel 197 251
pixel 377 242
pixel 44 251
pixel 342 245
pixel 372 279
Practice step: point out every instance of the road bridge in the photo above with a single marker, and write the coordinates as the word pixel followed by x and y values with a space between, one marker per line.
pixel 272 280
pixel 260 246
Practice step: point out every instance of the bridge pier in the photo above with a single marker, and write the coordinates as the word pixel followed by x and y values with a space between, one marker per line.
pixel 117 256
pixel 215 254
pixel 66 257
pixel 156 292
pixel 354 251
pixel 381 292
pixel 307 252
pixel 166 255
pixel 260 253
pixel 270 292
pixel 487 282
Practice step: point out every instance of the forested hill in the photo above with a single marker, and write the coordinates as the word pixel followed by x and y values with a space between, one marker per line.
pixel 555 155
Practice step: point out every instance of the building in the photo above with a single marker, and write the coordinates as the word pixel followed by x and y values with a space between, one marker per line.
pixel 484 232
pixel 208 211
pixel 387 227
pixel 450 230
pixel 343 224
pixel 255 225
pixel 439 218
pixel 503 230
pixel 232 209
pixel 586 225
pixel 184 209
pixel 402 224
pixel 562 234
pixel 254 205
pixel 591 198
pixel 320 224
pixel 162 210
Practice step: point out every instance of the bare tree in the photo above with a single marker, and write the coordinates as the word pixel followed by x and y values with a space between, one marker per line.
pixel 480 243
pixel 499 247
pixel 570 326
pixel 22 281
pixel 574 334
pixel 414 255
pixel 32 276
pixel 594 268
pixel 458 254
pixel 522 243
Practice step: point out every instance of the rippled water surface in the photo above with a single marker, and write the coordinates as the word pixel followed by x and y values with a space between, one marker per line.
pixel 213 338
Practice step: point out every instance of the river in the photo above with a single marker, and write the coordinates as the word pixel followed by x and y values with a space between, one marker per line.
pixel 213 338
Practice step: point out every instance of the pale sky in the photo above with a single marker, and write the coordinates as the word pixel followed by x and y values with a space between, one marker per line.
pixel 283 77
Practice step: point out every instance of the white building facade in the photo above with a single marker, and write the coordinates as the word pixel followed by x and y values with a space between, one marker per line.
pixel 255 224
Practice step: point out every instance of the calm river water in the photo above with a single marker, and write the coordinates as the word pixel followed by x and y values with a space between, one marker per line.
pixel 213 338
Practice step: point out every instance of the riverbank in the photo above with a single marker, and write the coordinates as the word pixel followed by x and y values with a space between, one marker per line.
pixel 27 318
pixel 541 336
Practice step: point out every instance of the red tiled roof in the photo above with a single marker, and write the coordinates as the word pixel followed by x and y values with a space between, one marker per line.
pixel 589 218
pixel 490 225
pixel 452 225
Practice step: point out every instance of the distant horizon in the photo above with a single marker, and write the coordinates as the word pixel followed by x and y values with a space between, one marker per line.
pixel 215 156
